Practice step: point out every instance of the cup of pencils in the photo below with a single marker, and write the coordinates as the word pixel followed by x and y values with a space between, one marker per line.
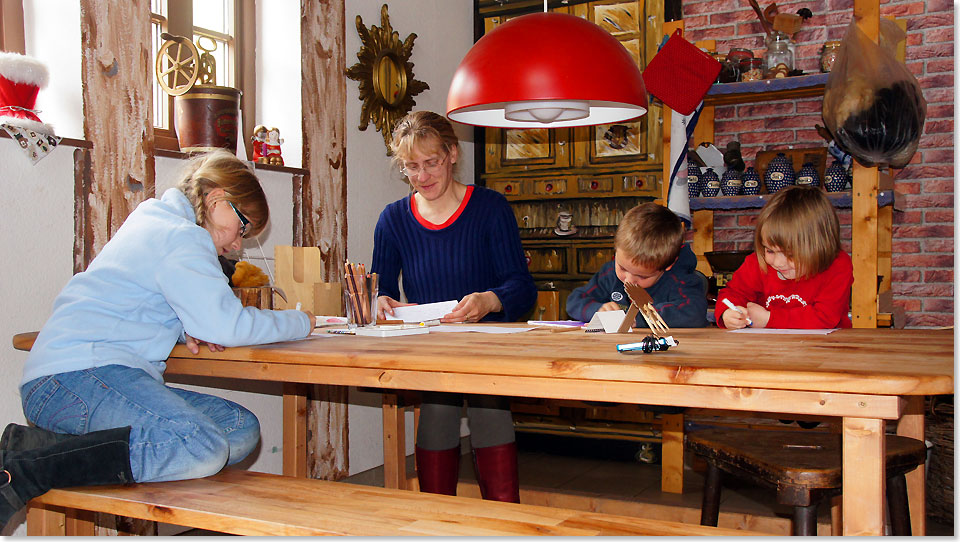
pixel 360 291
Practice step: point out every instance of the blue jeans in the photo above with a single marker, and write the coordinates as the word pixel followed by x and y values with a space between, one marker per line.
pixel 176 434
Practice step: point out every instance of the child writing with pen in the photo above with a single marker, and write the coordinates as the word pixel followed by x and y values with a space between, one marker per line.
pixel 800 277
pixel 93 383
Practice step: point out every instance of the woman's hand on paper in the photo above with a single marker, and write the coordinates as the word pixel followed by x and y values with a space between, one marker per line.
pixel 385 305
pixel 193 345
pixel 473 307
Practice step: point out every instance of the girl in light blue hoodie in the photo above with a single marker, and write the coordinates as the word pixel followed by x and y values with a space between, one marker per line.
pixel 94 378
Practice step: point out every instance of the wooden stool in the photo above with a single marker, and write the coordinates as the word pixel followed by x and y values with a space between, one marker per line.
pixel 803 466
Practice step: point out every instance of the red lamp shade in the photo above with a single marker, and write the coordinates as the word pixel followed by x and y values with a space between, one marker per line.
pixel 546 70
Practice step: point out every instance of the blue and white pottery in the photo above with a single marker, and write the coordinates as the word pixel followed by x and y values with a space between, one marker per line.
pixel 779 173
pixel 693 180
pixel 751 182
pixel 731 184
pixel 808 176
pixel 835 177
pixel 710 183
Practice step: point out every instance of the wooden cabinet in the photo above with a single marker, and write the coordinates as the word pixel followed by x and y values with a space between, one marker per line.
pixel 590 175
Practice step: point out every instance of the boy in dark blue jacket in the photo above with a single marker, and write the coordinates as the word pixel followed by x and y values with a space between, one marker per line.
pixel 650 253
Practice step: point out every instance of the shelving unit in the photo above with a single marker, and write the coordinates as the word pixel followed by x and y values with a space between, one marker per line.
pixel 871 199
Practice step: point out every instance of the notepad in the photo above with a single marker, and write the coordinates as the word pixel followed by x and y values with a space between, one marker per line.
pixel 425 312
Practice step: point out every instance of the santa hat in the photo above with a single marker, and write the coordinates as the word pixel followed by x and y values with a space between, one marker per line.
pixel 21 78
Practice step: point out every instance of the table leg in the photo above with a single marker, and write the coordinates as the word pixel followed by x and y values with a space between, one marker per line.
pixel 394 442
pixel 863 477
pixel 295 430
pixel 912 425
pixel 45 521
pixel 671 454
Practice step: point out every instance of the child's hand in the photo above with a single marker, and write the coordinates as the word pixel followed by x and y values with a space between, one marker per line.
pixel 609 306
pixel 193 345
pixel 385 305
pixel 313 319
pixel 734 320
pixel 758 314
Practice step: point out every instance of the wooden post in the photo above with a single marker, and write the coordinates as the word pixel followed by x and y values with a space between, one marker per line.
pixel 394 442
pixel 43 521
pixel 11 27
pixel 864 483
pixel 115 41
pixel 322 201
pixel 671 454
pixel 912 425
pixel 295 430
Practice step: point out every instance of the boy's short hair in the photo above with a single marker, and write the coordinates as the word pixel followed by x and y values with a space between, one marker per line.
pixel 650 235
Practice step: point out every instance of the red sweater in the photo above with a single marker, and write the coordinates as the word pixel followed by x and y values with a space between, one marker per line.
pixel 819 302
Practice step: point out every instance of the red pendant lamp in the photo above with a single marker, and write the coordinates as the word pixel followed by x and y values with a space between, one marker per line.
pixel 546 70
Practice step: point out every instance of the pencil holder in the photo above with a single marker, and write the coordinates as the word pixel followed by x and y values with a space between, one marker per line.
pixel 360 299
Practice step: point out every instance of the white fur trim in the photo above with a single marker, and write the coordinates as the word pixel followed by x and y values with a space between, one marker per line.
pixel 23 69
pixel 38 127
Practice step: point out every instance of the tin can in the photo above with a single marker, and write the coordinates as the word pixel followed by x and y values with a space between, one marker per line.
pixel 828 55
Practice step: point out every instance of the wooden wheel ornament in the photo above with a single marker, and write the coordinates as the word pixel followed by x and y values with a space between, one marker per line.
pixel 178 64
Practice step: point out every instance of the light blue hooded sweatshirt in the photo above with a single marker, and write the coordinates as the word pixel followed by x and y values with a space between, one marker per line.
pixel 158 277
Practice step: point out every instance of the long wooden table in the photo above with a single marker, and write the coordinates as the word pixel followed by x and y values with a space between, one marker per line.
pixel 864 376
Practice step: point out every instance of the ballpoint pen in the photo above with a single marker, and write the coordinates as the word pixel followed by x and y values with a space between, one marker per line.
pixel 732 306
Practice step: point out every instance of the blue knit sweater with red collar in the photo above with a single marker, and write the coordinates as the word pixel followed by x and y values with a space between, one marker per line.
pixel 476 250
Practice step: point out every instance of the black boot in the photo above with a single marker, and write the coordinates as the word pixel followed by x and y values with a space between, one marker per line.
pixel 99 458
pixel 19 438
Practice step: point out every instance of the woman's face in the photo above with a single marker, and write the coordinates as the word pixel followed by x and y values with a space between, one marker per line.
pixel 430 170
pixel 224 223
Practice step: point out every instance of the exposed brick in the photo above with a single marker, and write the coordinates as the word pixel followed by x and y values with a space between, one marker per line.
pixel 938 245
pixel 933 305
pixel 905 247
pixel 840 5
pixel 940 5
pixel 752 28
pixel 764 109
pixel 926 172
pixel 929 51
pixel 933 141
pixel 899 10
pixel 737 126
pixel 792 121
pixel 937 35
pixel 907 217
pixel 923 290
pixel 929 320
pixel 938 275
pixel 911 275
pixel 942 201
pixel 695 22
pixel 936 81
pixel 922 260
pixel 907 186
pixel 938 215
pixel 909 305
pixel 810 106
pixel 778 137
pixel 714 6
pixel 938 155
pixel 749 221
pixel 938 126
pixel 922 232
pixel 939 95
pixel 728 17
pixel 940 111
pixel 723 221
pixel 930 20
pixel 725 112
pixel 944 186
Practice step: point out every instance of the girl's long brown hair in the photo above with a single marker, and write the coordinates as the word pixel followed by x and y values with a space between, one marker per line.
pixel 801 222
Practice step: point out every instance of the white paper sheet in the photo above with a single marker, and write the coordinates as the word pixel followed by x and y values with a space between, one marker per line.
pixel 425 312
pixel 769 331
pixel 608 321
pixel 463 328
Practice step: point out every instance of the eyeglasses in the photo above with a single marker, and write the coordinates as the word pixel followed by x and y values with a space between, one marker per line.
pixel 430 166
pixel 243 220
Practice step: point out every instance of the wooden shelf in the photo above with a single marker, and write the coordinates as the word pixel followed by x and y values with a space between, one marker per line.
pixel 787 88
pixel 840 200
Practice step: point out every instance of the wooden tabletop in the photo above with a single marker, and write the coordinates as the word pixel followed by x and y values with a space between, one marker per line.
pixel 862 361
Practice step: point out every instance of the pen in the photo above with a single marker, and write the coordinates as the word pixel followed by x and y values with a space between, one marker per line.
pixel 732 306
pixel 299 305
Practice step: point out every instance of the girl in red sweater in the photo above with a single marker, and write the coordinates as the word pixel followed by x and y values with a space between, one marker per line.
pixel 800 277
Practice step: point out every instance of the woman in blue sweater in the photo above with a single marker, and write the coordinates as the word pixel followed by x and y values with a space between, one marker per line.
pixel 453 241
pixel 94 378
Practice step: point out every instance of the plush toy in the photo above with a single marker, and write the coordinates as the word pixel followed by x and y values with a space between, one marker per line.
pixel 248 275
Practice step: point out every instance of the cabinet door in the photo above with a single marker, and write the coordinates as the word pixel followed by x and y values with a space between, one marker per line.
pixel 531 149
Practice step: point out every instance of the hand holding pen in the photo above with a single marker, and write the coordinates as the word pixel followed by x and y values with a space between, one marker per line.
pixel 737 309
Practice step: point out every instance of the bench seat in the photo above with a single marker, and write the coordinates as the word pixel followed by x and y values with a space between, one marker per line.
pixel 251 503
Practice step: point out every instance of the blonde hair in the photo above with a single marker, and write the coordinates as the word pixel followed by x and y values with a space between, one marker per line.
pixel 424 130
pixel 801 222
pixel 651 235
pixel 220 169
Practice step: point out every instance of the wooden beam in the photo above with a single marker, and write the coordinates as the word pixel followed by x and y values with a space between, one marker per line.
pixel 912 424
pixel 394 442
pixel 295 430
pixel 115 53
pixel 864 484
pixel 11 27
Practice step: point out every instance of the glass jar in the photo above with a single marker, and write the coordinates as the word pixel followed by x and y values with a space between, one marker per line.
pixel 779 51
pixel 735 57
pixel 828 55
pixel 751 69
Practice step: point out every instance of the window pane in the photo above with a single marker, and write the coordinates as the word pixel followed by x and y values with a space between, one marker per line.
pixel 216 15
pixel 159 7
pixel 222 56
pixel 161 102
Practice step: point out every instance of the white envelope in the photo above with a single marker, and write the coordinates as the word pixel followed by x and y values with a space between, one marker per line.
pixel 425 312
pixel 608 321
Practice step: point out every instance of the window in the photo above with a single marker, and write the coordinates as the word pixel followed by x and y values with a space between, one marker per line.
pixel 216 27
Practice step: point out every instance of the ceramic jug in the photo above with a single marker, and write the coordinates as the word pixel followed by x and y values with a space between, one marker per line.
pixel 751 182
pixel 710 183
pixel 693 180
pixel 779 173
pixel 807 176
pixel 731 184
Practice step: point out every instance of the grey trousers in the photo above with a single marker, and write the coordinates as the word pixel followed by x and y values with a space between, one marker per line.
pixel 489 417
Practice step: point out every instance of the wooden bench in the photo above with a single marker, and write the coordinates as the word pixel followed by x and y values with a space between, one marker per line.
pixel 251 503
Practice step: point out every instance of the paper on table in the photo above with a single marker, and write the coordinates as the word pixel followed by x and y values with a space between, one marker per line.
pixel 608 321
pixel 555 323
pixel 425 312
pixel 462 328
pixel 772 331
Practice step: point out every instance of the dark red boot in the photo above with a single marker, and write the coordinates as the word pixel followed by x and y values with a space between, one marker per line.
pixel 497 472
pixel 438 470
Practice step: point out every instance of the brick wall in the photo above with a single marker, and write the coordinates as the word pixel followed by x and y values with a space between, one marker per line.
pixel 923 241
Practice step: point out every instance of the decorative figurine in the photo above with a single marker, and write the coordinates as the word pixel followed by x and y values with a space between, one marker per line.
pixel 258 138
pixel 650 343
pixel 565 225
pixel 271 147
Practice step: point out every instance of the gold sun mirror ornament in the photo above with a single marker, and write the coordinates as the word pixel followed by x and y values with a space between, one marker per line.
pixel 385 73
